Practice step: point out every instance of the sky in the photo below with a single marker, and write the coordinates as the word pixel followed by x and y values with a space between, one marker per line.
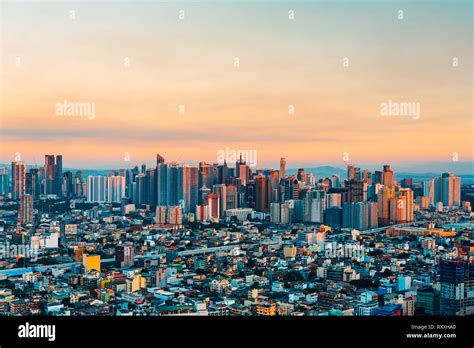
pixel 236 74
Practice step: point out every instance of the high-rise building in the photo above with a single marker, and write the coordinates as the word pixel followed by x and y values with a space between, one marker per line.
pixel 457 287
pixel 67 184
pixel 262 202
pixel 26 209
pixel 175 184
pixel 242 171
pixel 448 190
pixel 221 190
pixel 387 176
pixel 161 214
pixel 53 174
pixel 232 198
pixel 159 159
pixel 408 193
pixel 190 188
pixel 205 175
pixel 351 172
pixel 162 183
pixel 428 191
pixel 97 189
pixel 384 196
pixel 116 189
pixel 175 215
pixel 32 183
pixel 19 179
pixel 4 181
pixel 282 168
pixel 213 204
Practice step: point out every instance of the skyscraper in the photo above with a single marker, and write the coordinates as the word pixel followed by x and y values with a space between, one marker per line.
pixel 26 209
pixel 18 179
pixel 190 188
pixel 221 191
pixel 457 287
pixel 384 196
pixel 428 191
pixel 387 176
pixel 116 189
pixel 449 190
pixel 96 189
pixel 3 181
pixel 282 168
pixel 205 175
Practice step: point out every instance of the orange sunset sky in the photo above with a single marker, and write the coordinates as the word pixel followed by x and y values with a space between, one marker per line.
pixel 48 55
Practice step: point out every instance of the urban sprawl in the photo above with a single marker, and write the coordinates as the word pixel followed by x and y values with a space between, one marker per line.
pixel 231 239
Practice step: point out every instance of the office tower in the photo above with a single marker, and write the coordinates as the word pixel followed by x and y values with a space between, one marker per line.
pixel 335 181
pixel 251 194
pixel 428 191
pixel 387 176
pixel 351 172
pixel 318 205
pixel 175 184
pixel 67 185
pixel 407 183
pixel 32 183
pixel 160 215
pixel 19 179
pixel 140 194
pixel 96 189
pixel 162 183
pixel 311 180
pixel 377 177
pixel 457 287
pixel 143 168
pixel 53 173
pixel 357 190
pixel 285 213
pixel 3 181
pixel 384 196
pixel 222 173
pixel 398 210
pixel 373 215
pixel 408 193
pixel 273 186
pixel 232 197
pixel 282 168
pixel 175 215
pixel 360 215
pixel 49 173
pixel 221 191
pixel 242 171
pixel 262 202
pixel 202 194
pixel 301 175
pixel 427 301
pixel 448 190
pixel 80 186
pixel 190 188
pixel 291 188
pixel 150 187
pixel 159 159
pixel 213 204
pixel 275 211
pixel 26 209
pixel 116 189
pixel 333 217
pixel 58 176
pixel 205 175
